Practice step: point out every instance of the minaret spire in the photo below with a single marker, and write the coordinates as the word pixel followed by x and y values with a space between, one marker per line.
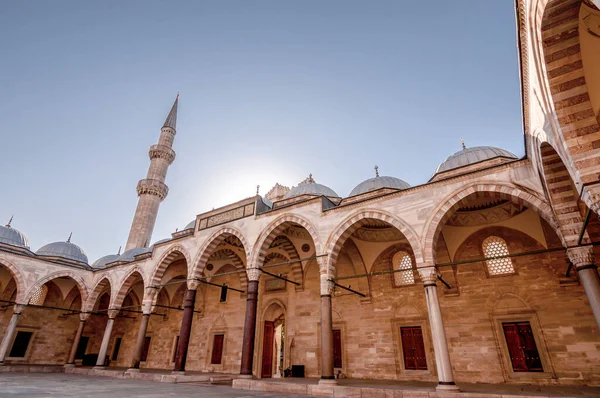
pixel 152 190
pixel 9 221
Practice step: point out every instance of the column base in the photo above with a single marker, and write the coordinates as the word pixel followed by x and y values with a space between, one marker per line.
pixel 178 372
pixel 328 382
pixel 69 365
pixel 99 367
pixel 132 370
pixel 447 387
pixel 246 377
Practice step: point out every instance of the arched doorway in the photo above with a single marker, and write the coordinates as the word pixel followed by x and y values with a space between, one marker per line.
pixel 273 343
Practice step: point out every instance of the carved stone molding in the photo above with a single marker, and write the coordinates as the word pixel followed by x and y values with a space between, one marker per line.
pixel 428 275
pixel 193 284
pixel 152 187
pixel 253 274
pixel 490 215
pixel 84 316
pixel 168 130
pixel 112 314
pixel 163 152
pixel 18 308
pixel 591 197
pixel 581 256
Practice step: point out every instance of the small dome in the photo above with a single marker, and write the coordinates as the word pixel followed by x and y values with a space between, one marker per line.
pixel 66 250
pixel 12 237
pixel 102 261
pixel 310 187
pixel 191 224
pixel 158 242
pixel 375 183
pixel 472 155
pixel 130 254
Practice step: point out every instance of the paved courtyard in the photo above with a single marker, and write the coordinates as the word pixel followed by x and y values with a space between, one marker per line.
pixel 33 385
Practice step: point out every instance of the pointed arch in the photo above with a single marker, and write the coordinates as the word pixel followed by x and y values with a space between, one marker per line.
pixel 275 228
pixel 167 259
pixel 289 248
pixel 209 246
pixel 99 287
pixel 18 278
pixel 455 200
pixel 79 282
pixel 237 264
pixel 126 285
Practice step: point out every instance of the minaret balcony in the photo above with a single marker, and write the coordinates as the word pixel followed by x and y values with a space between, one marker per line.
pixel 152 187
pixel 163 152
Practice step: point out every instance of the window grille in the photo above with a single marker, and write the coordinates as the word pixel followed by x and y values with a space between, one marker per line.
pixel 402 261
pixel 494 246
pixel 39 296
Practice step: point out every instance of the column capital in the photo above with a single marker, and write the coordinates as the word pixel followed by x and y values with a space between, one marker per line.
pixel 581 256
pixel 84 316
pixel 147 308
pixel 253 274
pixel 591 197
pixel 192 284
pixel 428 275
pixel 327 285
pixel 18 308
pixel 112 314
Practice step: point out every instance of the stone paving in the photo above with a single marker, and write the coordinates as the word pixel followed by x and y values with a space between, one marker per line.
pixel 33 385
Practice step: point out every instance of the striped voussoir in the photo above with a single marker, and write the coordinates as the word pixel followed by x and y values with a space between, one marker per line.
pixel 102 285
pixel 172 254
pixel 461 198
pixel 562 53
pixel 133 276
pixel 563 195
pixel 237 262
pixel 296 268
pixel 19 280
pixel 79 282
pixel 210 246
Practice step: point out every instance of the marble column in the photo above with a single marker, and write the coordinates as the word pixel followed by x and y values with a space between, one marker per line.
pixel 9 334
pixel 186 326
pixel 583 260
pixel 149 295
pixel 440 346
pixel 249 324
pixel 327 375
pixel 112 314
pixel 83 317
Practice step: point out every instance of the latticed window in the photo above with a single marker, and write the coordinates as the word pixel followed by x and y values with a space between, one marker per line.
pixel 401 261
pixel 39 296
pixel 494 246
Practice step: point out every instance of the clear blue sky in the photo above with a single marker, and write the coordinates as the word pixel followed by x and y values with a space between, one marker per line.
pixel 270 92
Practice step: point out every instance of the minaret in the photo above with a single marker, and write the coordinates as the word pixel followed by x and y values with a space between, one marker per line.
pixel 152 190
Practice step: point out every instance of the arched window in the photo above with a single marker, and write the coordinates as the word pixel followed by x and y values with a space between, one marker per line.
pixel 494 246
pixel 39 296
pixel 402 261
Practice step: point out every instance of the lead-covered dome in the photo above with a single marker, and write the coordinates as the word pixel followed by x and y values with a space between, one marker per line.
pixel 66 250
pixel 129 255
pixel 375 183
pixel 310 187
pixel 476 154
pixel 12 237
pixel 102 261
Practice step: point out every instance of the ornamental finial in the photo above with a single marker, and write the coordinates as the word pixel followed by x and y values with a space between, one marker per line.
pixel 462 142
pixel 257 189
pixel 376 171
pixel 69 239
pixel 119 252
pixel 9 221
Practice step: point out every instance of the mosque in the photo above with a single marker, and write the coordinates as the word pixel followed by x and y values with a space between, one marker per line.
pixel 484 274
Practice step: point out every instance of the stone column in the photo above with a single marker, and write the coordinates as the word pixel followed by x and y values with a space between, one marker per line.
pixel 249 324
pixel 186 326
pixel 112 314
pixel 327 375
pixel 82 318
pixel 9 334
pixel 583 260
pixel 149 295
pixel 440 347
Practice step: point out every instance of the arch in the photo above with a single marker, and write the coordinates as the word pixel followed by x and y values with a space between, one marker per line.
pixel 100 286
pixel 351 224
pixel 242 275
pixel 167 259
pixel 211 244
pixel 289 248
pixel 79 282
pixel 18 278
pixel 126 286
pixel 454 201
pixel 275 228
pixel 358 264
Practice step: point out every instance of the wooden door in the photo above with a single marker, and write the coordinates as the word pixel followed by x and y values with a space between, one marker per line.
pixel 524 355
pixel 413 348
pixel 337 349
pixel 267 357
pixel 217 351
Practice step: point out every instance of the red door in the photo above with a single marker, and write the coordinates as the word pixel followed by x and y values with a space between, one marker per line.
pixel 524 355
pixel 337 349
pixel 413 348
pixel 267 359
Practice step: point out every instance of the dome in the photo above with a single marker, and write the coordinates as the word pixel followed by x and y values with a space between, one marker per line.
pixel 375 183
pixel 66 250
pixel 159 242
pixel 102 261
pixel 12 237
pixel 130 254
pixel 472 155
pixel 191 224
pixel 310 187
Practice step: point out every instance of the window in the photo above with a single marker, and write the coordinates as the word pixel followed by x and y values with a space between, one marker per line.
pixel 524 355
pixel 494 246
pixel 413 348
pixel 217 350
pixel 223 297
pixel 19 347
pixel 402 261
pixel 39 296
pixel 115 354
pixel 82 347
pixel 145 349
pixel 337 348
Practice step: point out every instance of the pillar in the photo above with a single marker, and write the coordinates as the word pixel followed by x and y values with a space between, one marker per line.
pixel 83 317
pixel 438 335
pixel 249 324
pixel 583 260
pixel 327 375
pixel 112 314
pixel 186 326
pixel 9 334
pixel 139 344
